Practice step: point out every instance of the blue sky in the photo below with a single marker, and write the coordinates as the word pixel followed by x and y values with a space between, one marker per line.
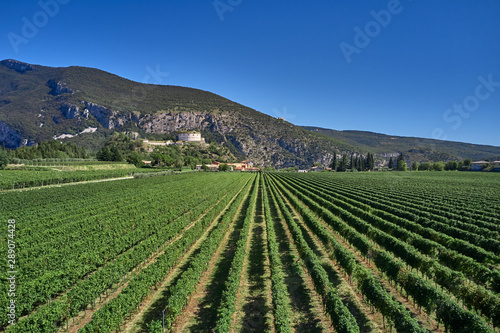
pixel 411 67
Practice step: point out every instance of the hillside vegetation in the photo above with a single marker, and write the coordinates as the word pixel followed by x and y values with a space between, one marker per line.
pixel 416 149
pixel 39 103
pixel 86 106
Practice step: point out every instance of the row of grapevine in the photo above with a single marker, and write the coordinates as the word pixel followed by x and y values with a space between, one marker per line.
pixel 424 294
pixel 281 304
pixel 369 286
pixel 58 272
pixel 342 319
pixel 24 179
pixel 186 283
pixel 433 226
pixel 476 296
pixel 86 290
pixel 438 203
pixel 406 242
pixel 228 301
pixel 113 313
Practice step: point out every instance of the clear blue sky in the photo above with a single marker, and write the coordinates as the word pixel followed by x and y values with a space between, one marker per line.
pixel 323 63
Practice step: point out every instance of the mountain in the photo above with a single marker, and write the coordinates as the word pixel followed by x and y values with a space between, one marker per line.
pixel 87 105
pixel 414 149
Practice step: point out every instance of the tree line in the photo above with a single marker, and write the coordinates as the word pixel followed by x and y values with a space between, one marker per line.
pixel 358 162
pixel 43 150
pixel 401 165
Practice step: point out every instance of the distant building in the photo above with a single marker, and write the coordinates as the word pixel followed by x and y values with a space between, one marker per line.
pixel 496 165
pixel 281 118
pixel 248 163
pixel 243 166
pixel 302 171
pixel 214 166
pixel 478 166
pixel 191 136
pixel 157 143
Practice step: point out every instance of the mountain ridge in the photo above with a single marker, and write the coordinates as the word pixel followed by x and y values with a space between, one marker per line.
pixel 41 103
pixel 379 143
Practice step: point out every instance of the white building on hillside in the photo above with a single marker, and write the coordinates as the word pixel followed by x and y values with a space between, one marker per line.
pixel 191 136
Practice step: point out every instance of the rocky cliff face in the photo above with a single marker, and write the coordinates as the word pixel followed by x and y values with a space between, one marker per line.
pixel 107 118
pixel 171 122
pixel 70 111
pixel 11 138
pixel 58 88
pixel 262 144
pixel 18 66
pixel 259 142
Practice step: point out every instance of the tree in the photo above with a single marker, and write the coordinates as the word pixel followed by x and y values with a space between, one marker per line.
pixel 466 164
pixel 425 166
pixel 391 163
pixel 370 162
pixel 104 154
pixel 223 167
pixel 179 164
pixel 438 166
pixel 451 166
pixel 344 164
pixel 269 169
pixel 402 165
pixel 4 159
pixel 155 326
pixel 116 154
pixel 135 159
pixel 414 166
pixel 334 162
pixel 400 158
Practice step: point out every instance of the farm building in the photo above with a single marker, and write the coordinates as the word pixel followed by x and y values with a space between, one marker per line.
pixel 478 166
pixel 238 166
pixel 214 166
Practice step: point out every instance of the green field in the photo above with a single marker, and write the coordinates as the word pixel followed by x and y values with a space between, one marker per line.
pixel 273 252
pixel 56 174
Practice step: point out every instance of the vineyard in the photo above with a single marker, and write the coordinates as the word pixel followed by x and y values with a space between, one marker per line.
pixel 22 179
pixel 248 252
